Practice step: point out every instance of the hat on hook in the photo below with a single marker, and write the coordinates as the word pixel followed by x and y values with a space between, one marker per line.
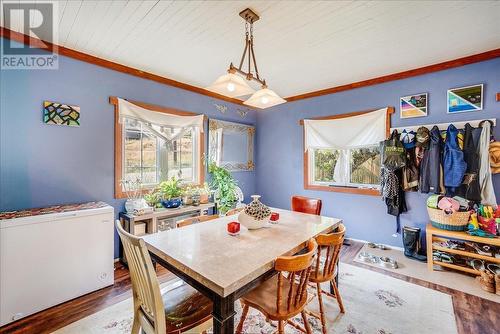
pixel 495 157
pixel 422 137
pixel 408 138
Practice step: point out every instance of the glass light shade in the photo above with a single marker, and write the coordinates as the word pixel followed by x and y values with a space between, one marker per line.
pixel 231 85
pixel 264 98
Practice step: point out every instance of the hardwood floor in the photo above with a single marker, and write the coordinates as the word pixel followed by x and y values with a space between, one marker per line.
pixel 474 315
pixel 64 314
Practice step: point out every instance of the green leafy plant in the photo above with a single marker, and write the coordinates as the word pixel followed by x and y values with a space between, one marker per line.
pixel 153 198
pixel 170 189
pixel 224 186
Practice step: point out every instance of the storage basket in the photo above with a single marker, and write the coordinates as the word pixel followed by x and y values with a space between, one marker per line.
pixel 457 221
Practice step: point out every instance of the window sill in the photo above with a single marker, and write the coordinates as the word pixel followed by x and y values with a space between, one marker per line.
pixel 339 189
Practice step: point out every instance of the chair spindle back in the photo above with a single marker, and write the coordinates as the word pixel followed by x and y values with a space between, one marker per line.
pixel 331 243
pixel 299 269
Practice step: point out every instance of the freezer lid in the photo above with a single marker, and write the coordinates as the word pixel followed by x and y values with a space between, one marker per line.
pixel 40 215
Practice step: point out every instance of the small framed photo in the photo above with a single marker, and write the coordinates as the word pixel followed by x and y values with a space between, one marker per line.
pixel 413 105
pixel 465 99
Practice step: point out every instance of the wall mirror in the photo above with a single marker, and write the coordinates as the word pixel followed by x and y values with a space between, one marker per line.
pixel 231 145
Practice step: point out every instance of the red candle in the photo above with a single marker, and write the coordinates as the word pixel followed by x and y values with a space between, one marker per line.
pixel 275 216
pixel 233 228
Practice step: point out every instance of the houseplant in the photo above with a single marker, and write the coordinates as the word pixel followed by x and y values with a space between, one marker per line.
pixel 171 193
pixel 224 186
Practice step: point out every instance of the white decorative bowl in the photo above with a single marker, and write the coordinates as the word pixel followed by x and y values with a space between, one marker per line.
pixel 250 222
pixel 258 210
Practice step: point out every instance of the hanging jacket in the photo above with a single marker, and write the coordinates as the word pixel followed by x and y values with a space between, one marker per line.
pixel 411 171
pixel 485 181
pixel 470 185
pixel 454 165
pixel 430 167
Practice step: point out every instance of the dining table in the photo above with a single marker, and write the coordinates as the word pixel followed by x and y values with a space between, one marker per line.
pixel 225 267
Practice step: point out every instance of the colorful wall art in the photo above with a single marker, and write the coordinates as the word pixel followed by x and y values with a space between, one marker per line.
pixel 413 106
pixel 464 99
pixel 60 114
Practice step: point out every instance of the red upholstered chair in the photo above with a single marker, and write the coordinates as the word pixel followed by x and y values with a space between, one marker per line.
pixel 306 205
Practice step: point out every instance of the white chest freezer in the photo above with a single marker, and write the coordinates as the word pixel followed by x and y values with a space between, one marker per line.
pixel 47 259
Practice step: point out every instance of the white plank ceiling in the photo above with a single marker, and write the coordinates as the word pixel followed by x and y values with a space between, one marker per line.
pixel 301 46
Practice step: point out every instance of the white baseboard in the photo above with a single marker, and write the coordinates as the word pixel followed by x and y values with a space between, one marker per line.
pixel 364 241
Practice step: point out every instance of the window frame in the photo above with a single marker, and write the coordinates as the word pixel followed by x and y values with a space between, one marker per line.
pixel 310 184
pixel 119 141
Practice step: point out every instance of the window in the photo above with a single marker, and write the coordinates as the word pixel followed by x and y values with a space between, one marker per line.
pixel 341 152
pixel 152 159
pixel 153 144
pixel 361 169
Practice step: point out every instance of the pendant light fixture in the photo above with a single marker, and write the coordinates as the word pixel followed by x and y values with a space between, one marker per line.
pixel 234 84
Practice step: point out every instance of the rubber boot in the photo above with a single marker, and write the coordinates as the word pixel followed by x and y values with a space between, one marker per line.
pixel 411 243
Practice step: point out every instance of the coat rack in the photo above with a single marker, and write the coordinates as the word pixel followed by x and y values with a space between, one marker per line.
pixel 444 126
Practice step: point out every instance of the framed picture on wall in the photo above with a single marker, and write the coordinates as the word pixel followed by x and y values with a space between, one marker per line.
pixel 465 99
pixel 413 105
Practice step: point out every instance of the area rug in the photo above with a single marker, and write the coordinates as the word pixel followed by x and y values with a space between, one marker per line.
pixel 443 276
pixel 374 303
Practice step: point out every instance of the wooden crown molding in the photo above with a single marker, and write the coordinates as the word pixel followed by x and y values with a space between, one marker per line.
pixel 22 38
pixel 402 75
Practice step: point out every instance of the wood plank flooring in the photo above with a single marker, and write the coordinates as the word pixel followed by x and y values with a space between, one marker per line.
pixel 474 315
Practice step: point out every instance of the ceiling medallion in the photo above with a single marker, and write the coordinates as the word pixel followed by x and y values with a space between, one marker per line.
pixel 234 83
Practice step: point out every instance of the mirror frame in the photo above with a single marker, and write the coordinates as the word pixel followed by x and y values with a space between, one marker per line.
pixel 215 147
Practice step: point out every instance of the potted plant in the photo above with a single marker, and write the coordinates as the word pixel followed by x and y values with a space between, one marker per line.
pixel 153 198
pixel 224 186
pixel 171 193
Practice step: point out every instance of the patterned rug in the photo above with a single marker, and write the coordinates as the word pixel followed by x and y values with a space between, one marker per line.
pixel 374 304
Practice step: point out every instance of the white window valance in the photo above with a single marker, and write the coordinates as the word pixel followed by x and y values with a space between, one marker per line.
pixel 345 133
pixel 132 111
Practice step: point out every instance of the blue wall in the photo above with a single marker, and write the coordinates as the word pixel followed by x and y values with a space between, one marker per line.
pixel 43 165
pixel 280 148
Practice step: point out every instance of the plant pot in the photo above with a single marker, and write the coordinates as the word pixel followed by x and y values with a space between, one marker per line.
pixel 204 198
pixel 171 203
pixel 187 200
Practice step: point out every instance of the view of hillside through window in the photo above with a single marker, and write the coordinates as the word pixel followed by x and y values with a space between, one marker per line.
pixel 151 159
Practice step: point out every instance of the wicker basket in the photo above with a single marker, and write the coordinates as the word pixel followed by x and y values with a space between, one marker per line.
pixel 456 221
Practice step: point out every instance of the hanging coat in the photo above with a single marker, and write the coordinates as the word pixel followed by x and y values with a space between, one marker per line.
pixel 430 167
pixel 454 165
pixel 485 181
pixel 470 185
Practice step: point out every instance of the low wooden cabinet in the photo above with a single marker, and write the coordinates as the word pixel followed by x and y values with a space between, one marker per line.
pixel 434 234
pixel 160 220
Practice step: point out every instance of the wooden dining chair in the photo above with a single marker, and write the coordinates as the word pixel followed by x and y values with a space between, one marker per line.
pixel 234 211
pixel 306 205
pixel 181 308
pixel 284 295
pixel 325 269
pixel 195 220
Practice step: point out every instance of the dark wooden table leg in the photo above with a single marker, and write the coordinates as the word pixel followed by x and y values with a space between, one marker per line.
pixel 223 314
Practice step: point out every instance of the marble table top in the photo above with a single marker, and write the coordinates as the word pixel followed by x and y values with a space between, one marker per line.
pixel 224 263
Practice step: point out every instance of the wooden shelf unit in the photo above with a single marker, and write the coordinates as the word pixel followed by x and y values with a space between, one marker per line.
pixel 434 234
pixel 160 219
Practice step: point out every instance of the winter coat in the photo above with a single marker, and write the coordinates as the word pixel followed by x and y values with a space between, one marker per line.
pixel 430 167
pixel 454 165
pixel 470 185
